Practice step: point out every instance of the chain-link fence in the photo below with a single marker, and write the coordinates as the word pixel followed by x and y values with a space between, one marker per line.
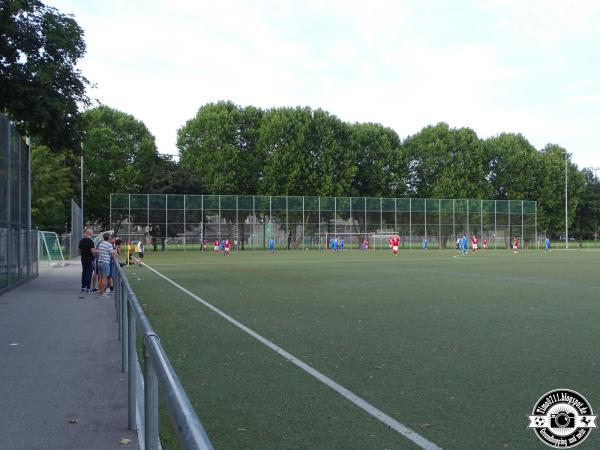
pixel 18 252
pixel 168 221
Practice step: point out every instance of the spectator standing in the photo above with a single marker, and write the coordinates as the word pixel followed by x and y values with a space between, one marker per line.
pixel 86 250
pixel 105 253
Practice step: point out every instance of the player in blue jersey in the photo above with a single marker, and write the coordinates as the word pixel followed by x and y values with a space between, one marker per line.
pixel 334 244
pixel 271 245
pixel 547 245
pixel 341 244
pixel 464 245
pixel 425 244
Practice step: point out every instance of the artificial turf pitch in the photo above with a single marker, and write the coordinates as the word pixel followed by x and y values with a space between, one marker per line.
pixel 458 349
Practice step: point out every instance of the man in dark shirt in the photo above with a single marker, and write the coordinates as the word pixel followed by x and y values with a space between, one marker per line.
pixel 86 250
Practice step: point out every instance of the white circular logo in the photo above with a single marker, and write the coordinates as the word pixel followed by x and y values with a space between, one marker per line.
pixel 562 418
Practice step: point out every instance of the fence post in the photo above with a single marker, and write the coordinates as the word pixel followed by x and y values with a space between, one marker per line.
pixel 150 399
pixel 118 302
pixel 124 334
pixel 132 369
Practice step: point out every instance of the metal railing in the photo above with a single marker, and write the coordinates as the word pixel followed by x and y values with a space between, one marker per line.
pixel 157 373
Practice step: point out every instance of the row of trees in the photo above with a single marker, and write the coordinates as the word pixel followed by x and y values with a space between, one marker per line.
pixel 229 149
pixel 301 151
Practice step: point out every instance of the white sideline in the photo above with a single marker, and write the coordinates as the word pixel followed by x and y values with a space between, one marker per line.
pixel 362 404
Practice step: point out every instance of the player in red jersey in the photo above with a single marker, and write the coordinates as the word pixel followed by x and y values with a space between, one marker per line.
pixel 227 247
pixel 485 244
pixel 390 242
pixel 216 247
pixel 515 244
pixel 474 244
pixel 395 241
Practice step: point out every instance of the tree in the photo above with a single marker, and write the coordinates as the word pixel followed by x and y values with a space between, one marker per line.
pixel 551 197
pixel 587 215
pixel 169 177
pixel 119 156
pixel 41 87
pixel 381 165
pixel 219 146
pixel 50 190
pixel 447 163
pixel 515 167
pixel 305 152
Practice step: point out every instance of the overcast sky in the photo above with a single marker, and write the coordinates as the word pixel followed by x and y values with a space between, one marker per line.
pixel 529 67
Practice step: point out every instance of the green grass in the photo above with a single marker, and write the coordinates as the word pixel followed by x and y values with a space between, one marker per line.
pixel 456 348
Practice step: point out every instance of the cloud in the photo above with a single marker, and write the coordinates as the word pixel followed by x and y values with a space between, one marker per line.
pixel 497 65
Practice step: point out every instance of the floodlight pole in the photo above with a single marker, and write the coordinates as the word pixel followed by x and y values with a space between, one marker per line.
pixel 566 202
pixel 81 191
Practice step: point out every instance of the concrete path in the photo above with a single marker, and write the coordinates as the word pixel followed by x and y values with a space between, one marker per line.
pixel 61 385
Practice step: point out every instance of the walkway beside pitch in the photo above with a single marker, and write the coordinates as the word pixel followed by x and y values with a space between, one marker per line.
pixel 61 385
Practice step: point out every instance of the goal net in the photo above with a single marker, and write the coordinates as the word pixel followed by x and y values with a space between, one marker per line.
pixel 357 241
pixel 51 249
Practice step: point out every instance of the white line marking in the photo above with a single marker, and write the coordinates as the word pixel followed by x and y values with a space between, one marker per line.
pixel 362 404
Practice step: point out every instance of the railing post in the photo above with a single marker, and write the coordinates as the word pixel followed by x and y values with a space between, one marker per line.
pixel 132 369
pixel 150 399
pixel 118 302
pixel 124 334
pixel 118 297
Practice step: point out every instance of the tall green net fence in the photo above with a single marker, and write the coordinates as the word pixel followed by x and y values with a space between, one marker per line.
pixel 168 221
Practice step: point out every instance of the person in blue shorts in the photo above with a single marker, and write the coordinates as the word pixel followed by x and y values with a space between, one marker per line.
pixel 223 246
pixel 547 245
pixel 464 245
pixel 341 244
pixel 425 244
pixel 334 244
pixel 271 245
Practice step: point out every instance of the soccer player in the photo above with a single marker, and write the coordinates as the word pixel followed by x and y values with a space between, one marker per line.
pixel 547 245
pixel 464 245
pixel 515 244
pixel 485 244
pixel 271 245
pixel 391 242
pixel 341 244
pixel 226 247
pixel 425 243
pixel 365 244
pixel 223 245
pixel 475 244
pixel 204 245
pixel 216 247
pixel 334 245
pixel 395 243
pixel 141 250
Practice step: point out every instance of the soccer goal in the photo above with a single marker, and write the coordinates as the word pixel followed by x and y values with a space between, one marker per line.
pixel 381 240
pixel 51 249
pixel 345 241
pixel 356 241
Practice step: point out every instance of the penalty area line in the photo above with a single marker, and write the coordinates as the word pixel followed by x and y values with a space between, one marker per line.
pixel 347 394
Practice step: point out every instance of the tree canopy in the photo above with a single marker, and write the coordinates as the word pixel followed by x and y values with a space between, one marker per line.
pixel 119 156
pixel 41 88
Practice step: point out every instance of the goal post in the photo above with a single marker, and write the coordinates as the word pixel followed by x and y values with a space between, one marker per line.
pixel 358 241
pixel 351 241
pixel 51 248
